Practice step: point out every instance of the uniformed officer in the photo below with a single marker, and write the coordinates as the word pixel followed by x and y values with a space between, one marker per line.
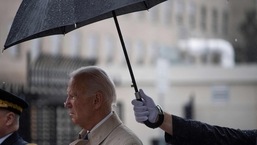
pixel 11 106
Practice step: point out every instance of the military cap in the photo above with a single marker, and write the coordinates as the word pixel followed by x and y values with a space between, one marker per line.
pixel 12 102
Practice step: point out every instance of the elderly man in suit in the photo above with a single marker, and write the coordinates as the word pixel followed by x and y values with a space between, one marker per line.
pixel 11 107
pixel 91 94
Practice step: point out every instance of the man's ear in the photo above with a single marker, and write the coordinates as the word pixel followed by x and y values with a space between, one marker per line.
pixel 98 99
pixel 10 118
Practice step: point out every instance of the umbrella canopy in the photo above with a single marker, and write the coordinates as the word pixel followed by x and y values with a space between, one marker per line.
pixel 39 18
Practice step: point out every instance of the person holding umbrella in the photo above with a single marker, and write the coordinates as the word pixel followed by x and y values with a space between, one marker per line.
pixel 11 107
pixel 179 131
pixel 91 94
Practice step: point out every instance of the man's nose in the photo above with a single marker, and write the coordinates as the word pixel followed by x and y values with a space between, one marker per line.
pixel 67 104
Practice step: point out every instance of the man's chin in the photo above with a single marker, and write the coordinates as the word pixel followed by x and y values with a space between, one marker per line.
pixel 74 120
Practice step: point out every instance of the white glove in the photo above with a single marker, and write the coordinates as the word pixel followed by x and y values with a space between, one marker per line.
pixel 145 109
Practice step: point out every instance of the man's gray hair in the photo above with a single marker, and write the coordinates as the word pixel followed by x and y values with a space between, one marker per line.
pixel 96 79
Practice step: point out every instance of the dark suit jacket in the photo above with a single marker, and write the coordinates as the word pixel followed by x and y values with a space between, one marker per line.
pixel 190 132
pixel 14 139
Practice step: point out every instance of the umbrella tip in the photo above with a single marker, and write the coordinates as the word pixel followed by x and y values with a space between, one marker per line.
pixel 3 50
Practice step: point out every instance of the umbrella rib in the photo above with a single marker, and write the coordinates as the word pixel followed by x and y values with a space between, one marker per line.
pixel 125 52
pixel 146 5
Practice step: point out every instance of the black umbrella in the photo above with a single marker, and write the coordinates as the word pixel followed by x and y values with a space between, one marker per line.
pixel 40 18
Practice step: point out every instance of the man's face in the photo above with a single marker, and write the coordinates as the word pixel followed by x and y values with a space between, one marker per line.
pixel 80 105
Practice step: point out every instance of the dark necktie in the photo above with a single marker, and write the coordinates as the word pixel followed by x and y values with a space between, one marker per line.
pixel 83 139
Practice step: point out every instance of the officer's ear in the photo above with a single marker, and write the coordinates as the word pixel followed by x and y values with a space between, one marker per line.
pixel 10 118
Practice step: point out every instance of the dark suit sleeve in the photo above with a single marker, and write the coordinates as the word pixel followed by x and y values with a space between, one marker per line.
pixel 190 132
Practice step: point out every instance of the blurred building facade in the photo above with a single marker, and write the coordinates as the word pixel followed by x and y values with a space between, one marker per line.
pixel 223 94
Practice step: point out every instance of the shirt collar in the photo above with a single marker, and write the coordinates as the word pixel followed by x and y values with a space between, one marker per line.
pixel 3 138
pixel 84 133
pixel 101 122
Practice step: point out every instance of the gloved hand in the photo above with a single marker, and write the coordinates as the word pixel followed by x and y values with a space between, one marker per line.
pixel 145 109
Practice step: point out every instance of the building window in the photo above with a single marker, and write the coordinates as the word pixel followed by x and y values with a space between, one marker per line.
pixel 216 57
pixel 35 49
pixel 154 53
pixel 225 21
pixel 75 44
pixel 14 51
pixel 109 52
pixel 154 14
pixel 56 44
pixel 92 47
pixel 215 21
pixel 203 18
pixel 179 11
pixel 141 15
pixel 167 16
pixel 192 15
pixel 139 52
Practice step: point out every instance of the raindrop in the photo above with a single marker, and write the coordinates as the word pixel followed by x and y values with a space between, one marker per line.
pixel 236 40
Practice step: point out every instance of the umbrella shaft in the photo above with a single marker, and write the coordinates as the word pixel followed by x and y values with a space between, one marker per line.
pixel 125 51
